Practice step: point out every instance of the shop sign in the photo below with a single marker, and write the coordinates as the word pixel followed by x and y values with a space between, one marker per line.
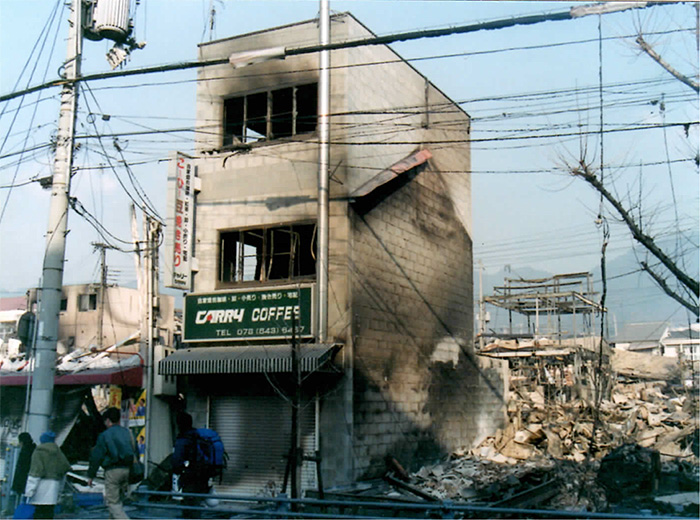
pixel 268 313
pixel 180 229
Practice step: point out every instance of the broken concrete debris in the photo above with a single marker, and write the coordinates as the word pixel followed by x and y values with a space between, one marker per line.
pixel 642 441
pixel 637 413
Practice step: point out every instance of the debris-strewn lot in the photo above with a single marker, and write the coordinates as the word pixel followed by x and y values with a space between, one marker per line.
pixel 637 451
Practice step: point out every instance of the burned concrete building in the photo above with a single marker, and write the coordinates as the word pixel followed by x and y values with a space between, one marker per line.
pixel 396 375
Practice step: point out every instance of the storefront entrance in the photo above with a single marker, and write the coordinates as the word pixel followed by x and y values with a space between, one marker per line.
pixel 256 432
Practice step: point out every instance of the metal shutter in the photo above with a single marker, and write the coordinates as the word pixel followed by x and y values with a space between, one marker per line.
pixel 256 432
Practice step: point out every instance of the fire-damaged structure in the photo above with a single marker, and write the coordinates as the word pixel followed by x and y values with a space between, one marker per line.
pixel 396 376
pixel 561 350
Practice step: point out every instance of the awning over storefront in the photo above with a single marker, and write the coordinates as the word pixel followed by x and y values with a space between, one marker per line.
pixel 247 359
pixel 129 376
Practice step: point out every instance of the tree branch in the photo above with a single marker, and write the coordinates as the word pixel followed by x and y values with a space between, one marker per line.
pixel 658 59
pixel 662 283
pixel 644 239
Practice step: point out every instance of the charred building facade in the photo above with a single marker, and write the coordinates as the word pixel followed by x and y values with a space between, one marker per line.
pixel 397 376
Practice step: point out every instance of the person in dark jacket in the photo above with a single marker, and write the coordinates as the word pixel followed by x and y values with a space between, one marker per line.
pixel 115 451
pixel 24 460
pixel 191 479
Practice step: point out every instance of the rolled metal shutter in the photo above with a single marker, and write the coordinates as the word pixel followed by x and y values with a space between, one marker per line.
pixel 256 432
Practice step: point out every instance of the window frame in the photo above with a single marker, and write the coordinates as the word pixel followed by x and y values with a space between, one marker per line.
pixel 236 128
pixel 248 255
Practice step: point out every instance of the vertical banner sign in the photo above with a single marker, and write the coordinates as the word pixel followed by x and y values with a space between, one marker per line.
pixel 181 222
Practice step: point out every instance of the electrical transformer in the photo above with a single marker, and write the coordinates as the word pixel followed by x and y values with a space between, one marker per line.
pixel 107 19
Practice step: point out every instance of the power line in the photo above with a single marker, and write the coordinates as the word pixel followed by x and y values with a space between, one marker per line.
pixel 415 109
pixel 145 203
pixel 374 40
pixel 36 105
pixel 385 62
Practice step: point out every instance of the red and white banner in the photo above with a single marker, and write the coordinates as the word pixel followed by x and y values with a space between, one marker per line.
pixel 180 231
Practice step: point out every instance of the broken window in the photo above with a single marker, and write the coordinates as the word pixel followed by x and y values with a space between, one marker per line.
pixel 87 302
pixel 272 114
pixel 274 253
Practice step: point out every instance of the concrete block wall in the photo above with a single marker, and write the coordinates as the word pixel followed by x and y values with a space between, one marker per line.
pixel 419 392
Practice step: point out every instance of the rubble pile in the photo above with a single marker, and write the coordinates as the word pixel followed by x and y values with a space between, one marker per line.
pixel 638 413
pixel 555 455
pixel 561 484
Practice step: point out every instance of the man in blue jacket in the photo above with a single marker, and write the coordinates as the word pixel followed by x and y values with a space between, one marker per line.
pixel 115 451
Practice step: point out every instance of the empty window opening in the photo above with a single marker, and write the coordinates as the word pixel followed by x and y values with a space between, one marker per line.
pixel 275 253
pixel 87 302
pixel 272 114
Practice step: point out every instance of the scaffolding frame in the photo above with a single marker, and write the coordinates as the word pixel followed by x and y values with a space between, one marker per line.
pixel 562 294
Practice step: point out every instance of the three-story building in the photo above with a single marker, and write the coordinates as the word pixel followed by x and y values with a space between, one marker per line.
pixel 397 376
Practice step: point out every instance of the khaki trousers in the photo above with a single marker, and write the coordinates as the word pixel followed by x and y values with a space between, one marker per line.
pixel 116 490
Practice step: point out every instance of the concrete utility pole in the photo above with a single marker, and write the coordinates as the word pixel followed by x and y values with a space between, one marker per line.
pixel 323 170
pixel 41 398
pixel 103 290
pixel 149 336
pixel 482 326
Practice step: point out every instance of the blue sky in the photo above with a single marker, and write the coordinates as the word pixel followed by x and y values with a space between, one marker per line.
pixel 517 82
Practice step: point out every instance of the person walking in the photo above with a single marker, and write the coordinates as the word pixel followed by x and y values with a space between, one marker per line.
pixel 115 451
pixel 192 477
pixel 47 473
pixel 24 461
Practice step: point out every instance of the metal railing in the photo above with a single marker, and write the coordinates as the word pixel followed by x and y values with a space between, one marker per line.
pixel 281 506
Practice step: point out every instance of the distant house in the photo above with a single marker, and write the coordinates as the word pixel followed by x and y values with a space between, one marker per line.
pixel 641 337
pixel 682 342
pixel 661 339
pixel 11 309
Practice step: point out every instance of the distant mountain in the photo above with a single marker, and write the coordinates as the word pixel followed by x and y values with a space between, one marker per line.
pixel 636 298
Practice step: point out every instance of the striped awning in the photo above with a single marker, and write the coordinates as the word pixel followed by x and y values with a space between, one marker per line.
pixel 247 359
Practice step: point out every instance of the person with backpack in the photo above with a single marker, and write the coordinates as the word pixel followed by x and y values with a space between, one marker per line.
pixel 197 457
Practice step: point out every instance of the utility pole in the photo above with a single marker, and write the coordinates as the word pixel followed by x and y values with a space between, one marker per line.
pixel 482 326
pixel 295 456
pixel 103 289
pixel 323 171
pixel 41 397
pixel 149 334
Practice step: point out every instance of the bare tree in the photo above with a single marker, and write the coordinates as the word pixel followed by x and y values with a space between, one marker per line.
pixel 585 171
pixel 670 69
pixel 686 291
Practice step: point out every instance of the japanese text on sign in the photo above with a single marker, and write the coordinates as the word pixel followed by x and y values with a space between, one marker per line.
pixel 257 314
pixel 181 232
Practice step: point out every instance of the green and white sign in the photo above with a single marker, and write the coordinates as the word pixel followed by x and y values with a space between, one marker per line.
pixel 250 314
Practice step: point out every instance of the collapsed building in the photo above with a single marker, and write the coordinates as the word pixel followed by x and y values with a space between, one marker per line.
pixel 561 350
pixel 100 363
